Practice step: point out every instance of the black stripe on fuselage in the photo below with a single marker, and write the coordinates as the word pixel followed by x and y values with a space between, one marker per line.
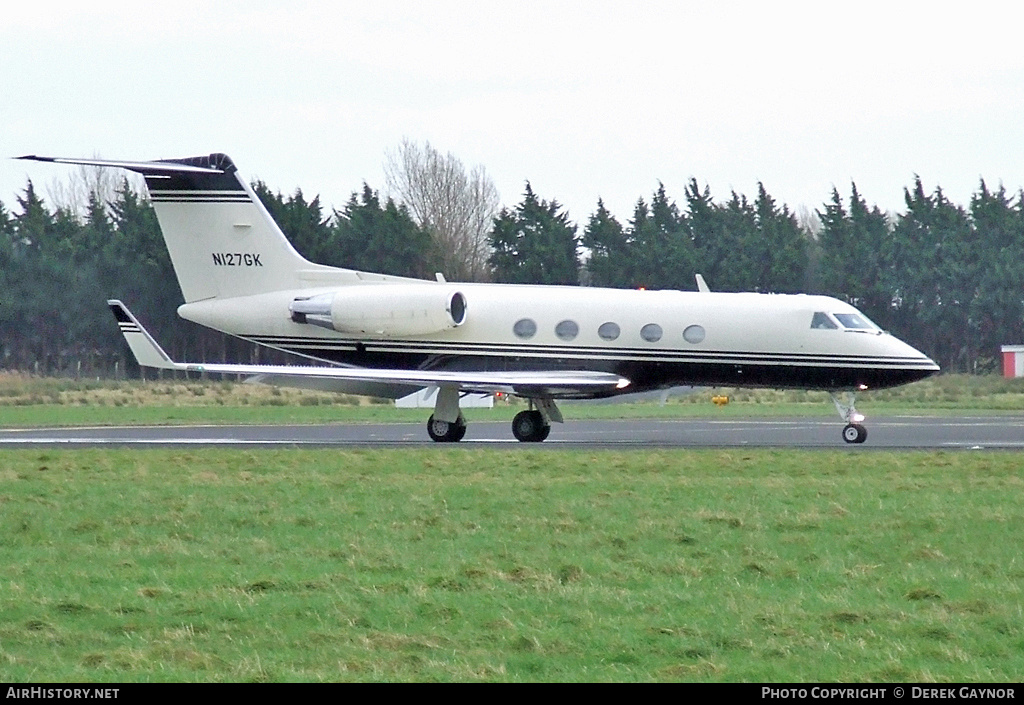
pixel 328 346
pixel 647 371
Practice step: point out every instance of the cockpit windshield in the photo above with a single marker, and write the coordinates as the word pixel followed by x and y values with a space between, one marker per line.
pixel 855 321
pixel 821 321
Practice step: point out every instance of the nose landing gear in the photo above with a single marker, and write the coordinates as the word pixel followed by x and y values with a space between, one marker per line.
pixel 853 432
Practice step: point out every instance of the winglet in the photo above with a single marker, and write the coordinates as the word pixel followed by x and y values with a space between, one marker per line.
pixel 146 350
pixel 702 286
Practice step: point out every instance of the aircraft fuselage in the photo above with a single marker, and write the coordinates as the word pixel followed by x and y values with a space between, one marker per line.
pixel 655 339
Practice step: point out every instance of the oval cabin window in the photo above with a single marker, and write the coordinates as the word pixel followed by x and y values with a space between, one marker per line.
pixel 567 330
pixel 694 334
pixel 609 331
pixel 651 332
pixel 525 328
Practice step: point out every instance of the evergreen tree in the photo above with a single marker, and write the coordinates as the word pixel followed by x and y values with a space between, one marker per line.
pixel 935 274
pixel 534 244
pixel 35 282
pixel 738 228
pixel 98 231
pixel 303 223
pixel 8 332
pixel 382 238
pixel 609 250
pixel 997 311
pixel 662 248
pixel 778 248
pixel 856 259
pixel 142 271
pixel 713 250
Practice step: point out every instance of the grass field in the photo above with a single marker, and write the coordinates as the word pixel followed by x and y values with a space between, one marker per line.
pixel 451 564
pixel 28 401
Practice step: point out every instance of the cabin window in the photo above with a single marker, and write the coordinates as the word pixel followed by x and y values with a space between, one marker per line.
pixel 694 334
pixel 821 321
pixel 609 331
pixel 855 321
pixel 525 328
pixel 567 330
pixel 651 332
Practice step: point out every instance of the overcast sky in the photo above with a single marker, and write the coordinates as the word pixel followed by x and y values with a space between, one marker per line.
pixel 583 99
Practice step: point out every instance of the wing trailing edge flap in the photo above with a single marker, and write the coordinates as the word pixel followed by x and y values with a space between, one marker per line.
pixel 375 381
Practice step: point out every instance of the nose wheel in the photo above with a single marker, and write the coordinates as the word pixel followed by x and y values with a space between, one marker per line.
pixel 855 433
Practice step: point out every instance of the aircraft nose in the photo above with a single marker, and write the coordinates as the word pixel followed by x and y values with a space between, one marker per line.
pixel 916 361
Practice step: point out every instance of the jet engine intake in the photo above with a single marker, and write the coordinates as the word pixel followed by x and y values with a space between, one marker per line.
pixel 383 309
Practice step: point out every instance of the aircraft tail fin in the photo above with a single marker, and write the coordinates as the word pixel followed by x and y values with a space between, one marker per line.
pixel 222 241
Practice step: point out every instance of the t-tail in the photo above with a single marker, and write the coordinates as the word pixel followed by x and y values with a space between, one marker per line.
pixel 222 241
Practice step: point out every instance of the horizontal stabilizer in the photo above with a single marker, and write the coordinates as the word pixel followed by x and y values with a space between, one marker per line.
pixel 141 167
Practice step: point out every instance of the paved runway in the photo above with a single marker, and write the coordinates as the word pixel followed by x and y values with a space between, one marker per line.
pixel 971 432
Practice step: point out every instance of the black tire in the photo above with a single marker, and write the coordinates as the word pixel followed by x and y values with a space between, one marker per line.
pixel 458 430
pixel 529 427
pixel 855 433
pixel 444 432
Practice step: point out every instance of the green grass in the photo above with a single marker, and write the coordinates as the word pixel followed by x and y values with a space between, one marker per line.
pixel 27 401
pixel 451 564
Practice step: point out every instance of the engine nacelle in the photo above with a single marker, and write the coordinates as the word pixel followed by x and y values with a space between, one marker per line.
pixel 384 309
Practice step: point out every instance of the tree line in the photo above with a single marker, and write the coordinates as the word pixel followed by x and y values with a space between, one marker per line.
pixel 945 277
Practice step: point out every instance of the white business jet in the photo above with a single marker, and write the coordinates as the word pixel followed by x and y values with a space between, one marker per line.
pixel 388 336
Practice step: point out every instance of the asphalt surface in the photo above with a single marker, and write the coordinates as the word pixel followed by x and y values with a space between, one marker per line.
pixel 952 432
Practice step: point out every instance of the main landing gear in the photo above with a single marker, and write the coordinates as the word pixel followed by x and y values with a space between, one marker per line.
pixel 853 432
pixel 529 427
pixel 534 424
pixel 447 425
pixel 445 432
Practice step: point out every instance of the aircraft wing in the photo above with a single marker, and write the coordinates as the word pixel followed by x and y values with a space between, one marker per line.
pixel 554 384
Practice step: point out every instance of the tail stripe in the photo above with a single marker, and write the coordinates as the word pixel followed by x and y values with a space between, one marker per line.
pixel 173 197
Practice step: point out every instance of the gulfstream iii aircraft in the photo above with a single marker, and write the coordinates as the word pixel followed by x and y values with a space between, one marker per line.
pixel 388 336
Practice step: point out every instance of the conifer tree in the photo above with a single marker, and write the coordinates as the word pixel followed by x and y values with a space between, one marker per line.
pixel 381 238
pixel 534 243
pixel 609 250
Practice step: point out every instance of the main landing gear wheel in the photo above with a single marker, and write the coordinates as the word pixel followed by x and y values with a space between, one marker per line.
pixel 855 433
pixel 529 427
pixel 444 432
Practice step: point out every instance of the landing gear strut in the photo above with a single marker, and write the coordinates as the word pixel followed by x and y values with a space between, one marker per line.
pixel 446 424
pixel 853 432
